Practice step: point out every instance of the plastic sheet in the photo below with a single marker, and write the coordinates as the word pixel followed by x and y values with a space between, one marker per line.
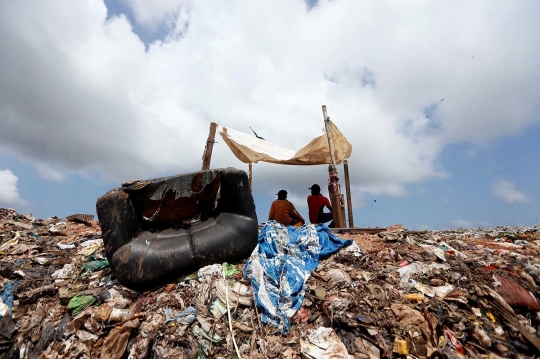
pixel 7 294
pixel 281 264
pixel 323 343
pixel 79 303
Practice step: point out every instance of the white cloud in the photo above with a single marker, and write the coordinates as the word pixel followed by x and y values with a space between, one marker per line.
pixel 507 192
pixel 9 192
pixel 462 223
pixel 107 105
pixel 47 172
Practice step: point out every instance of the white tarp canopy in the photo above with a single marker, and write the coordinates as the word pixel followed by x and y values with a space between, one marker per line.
pixel 248 148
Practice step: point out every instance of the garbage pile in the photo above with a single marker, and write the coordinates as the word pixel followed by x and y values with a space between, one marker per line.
pixel 445 294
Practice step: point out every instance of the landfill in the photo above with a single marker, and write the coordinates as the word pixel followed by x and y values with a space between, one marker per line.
pixel 457 293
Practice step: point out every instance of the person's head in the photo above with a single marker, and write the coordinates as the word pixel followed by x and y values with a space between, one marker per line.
pixel 315 189
pixel 282 194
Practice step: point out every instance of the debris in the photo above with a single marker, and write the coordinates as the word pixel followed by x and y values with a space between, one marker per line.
pixel 400 347
pixel 218 309
pixel 238 294
pixel 415 297
pixel 337 278
pixel 323 343
pixel 320 292
pixel 95 265
pixel 79 303
pixel 116 342
pixel 84 218
pixel 230 270
pixel 478 300
pixel 405 272
pixel 6 296
pixel 185 317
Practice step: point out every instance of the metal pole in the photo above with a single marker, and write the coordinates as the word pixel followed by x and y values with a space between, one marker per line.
pixel 207 156
pixel 348 188
pixel 336 198
pixel 250 178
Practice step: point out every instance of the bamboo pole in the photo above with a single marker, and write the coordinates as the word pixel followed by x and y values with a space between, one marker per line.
pixel 207 156
pixel 336 198
pixel 348 189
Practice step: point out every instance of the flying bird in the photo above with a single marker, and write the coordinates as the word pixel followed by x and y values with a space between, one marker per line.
pixel 255 133
pixel 442 100
pixel 472 57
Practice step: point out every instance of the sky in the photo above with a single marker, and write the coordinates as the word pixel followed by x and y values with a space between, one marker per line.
pixel 440 101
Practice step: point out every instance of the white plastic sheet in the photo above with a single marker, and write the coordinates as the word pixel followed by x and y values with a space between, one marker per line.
pixel 249 149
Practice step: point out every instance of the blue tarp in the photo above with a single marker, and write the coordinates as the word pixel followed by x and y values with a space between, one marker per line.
pixel 281 264
pixel 7 294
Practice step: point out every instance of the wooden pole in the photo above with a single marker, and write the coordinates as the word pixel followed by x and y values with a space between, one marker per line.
pixel 336 198
pixel 250 177
pixel 348 189
pixel 329 136
pixel 207 156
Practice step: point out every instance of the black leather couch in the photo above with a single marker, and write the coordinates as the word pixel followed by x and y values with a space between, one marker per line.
pixel 155 231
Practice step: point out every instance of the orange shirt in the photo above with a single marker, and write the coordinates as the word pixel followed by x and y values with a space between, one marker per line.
pixel 283 211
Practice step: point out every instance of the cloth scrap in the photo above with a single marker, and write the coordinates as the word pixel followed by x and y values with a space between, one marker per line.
pixel 281 264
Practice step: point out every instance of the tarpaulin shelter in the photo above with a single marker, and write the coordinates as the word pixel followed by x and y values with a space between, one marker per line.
pixel 329 147
pixel 250 149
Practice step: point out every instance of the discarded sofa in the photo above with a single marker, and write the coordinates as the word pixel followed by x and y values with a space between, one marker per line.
pixel 154 231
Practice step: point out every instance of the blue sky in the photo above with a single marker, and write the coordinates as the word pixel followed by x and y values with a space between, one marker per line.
pixel 126 90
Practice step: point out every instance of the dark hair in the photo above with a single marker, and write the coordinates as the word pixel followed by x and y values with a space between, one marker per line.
pixel 316 189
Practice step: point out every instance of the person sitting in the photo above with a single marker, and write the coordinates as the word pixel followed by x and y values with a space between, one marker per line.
pixel 283 211
pixel 316 203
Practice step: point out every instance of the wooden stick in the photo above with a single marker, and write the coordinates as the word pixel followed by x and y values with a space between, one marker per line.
pixel 250 177
pixel 209 147
pixel 229 314
pixel 329 135
pixel 336 198
pixel 348 189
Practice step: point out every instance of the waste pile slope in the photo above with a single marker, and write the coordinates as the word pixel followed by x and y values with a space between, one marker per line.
pixel 447 294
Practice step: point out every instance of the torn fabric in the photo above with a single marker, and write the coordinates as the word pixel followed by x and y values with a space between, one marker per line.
pixel 281 264
pixel 248 148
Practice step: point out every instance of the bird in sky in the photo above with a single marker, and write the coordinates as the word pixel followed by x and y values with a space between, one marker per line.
pixel 472 57
pixel 255 133
pixel 442 100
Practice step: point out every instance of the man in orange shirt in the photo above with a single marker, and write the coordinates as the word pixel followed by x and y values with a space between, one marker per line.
pixel 316 203
pixel 283 211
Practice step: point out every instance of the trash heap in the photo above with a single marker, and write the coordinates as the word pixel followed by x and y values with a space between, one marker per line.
pixel 445 294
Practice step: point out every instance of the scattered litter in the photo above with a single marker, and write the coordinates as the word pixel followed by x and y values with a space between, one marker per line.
pixel 405 272
pixel 323 343
pixel 459 293
pixel 65 246
pixel 186 317
pixel 230 270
